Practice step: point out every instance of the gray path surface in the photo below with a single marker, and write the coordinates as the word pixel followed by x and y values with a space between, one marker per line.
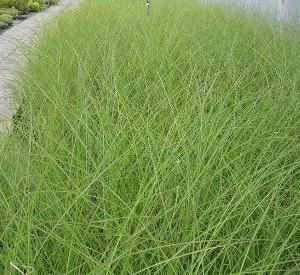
pixel 10 58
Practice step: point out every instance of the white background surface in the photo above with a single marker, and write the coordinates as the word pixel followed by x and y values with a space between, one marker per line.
pixel 284 10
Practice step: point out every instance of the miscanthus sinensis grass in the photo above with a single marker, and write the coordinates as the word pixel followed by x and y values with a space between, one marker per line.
pixel 160 145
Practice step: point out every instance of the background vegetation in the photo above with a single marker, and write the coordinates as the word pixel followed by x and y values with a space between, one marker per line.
pixel 160 145
pixel 10 9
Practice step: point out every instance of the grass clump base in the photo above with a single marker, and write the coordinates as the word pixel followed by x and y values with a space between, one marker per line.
pixel 159 145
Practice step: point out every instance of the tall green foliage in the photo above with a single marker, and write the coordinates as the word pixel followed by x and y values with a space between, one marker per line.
pixel 166 144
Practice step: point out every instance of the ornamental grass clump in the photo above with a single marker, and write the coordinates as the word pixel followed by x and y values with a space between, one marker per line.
pixel 166 144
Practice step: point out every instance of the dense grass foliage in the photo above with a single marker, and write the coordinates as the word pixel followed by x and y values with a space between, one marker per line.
pixel 160 145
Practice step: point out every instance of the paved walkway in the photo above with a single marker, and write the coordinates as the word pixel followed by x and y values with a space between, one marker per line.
pixel 10 58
